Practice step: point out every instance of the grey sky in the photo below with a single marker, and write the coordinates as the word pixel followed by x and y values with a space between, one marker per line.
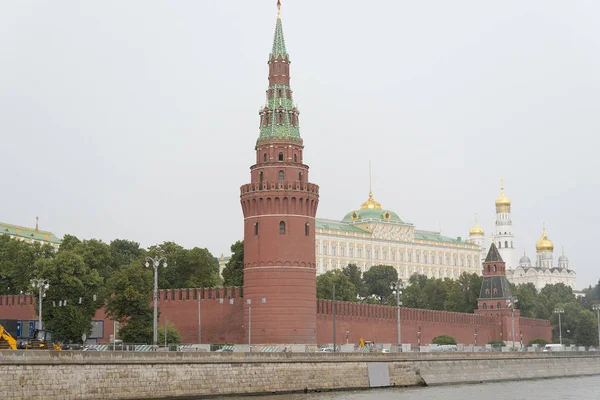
pixel 137 119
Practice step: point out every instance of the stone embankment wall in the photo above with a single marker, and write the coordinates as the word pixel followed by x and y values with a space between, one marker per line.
pixel 89 375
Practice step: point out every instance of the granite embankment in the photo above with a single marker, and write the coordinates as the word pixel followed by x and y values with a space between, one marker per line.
pixel 99 375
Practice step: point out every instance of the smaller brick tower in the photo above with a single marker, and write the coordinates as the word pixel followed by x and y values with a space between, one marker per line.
pixel 279 208
pixel 496 298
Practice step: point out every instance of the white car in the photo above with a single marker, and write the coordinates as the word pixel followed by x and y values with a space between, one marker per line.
pixel 325 350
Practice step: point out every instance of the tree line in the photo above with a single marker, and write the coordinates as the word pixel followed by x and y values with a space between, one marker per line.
pixel 85 275
pixel 378 284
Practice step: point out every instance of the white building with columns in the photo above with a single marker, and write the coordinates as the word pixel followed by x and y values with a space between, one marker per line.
pixel 373 235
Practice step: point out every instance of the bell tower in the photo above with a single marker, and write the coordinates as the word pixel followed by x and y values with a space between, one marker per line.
pixel 279 206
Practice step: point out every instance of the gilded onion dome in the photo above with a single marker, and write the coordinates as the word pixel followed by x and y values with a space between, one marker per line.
pixel 544 244
pixel 502 203
pixel 476 230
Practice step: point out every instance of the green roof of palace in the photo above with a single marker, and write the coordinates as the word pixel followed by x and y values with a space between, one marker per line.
pixel 435 237
pixel 28 233
pixel 360 215
pixel 337 226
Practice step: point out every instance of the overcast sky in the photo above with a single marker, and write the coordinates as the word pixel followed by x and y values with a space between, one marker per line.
pixel 138 119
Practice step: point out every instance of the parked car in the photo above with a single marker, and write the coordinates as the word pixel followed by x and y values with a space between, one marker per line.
pixel 325 350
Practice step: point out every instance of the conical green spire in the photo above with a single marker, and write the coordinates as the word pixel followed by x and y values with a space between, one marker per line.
pixel 278 40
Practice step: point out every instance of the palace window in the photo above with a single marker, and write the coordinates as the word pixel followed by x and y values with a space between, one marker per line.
pixel 351 251
pixel 333 249
pixel 280 156
pixel 325 248
pixel 499 245
pixel 368 252
pixel 447 260
pixel 469 262
pixel 393 255
pixel 418 257
pixel 425 259
pixel 506 244
pixel 359 252
pixel 282 228
pixel 342 247
pixel 410 256
pixel 385 254
pixel 376 253
pixel 281 176
pixel 454 261
pixel 317 248
pixel 440 259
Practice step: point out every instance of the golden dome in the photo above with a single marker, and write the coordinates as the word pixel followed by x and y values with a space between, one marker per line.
pixel 370 204
pixel 544 244
pixel 477 230
pixel 502 203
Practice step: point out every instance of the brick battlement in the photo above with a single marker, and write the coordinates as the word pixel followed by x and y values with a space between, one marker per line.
pixel 217 293
pixel 298 186
pixel 358 310
pixel 534 322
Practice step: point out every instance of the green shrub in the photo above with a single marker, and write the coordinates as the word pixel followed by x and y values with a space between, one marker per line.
pixel 539 341
pixel 497 343
pixel 443 339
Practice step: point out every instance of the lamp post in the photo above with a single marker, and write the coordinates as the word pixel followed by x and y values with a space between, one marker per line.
pixel 596 308
pixel 334 317
pixel 397 287
pixel 42 285
pixel 475 335
pixel 155 263
pixel 512 302
pixel 559 311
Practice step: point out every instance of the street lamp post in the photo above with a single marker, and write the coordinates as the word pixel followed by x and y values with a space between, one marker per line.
pixel 559 311
pixel 397 287
pixel 512 302
pixel 155 263
pixel 42 285
pixel 596 308
pixel 334 317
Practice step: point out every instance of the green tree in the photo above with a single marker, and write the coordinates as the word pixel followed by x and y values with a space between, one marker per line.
pixel 124 252
pixel 528 298
pixel 378 281
pixel 355 275
pixel 233 273
pixel 16 263
pixel 344 289
pixel 443 340
pixel 413 295
pixel 70 280
pixel 130 303
pixel 541 342
pixel 68 243
pixel 173 335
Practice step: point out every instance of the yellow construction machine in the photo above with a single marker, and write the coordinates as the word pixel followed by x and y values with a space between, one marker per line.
pixel 6 340
pixel 42 339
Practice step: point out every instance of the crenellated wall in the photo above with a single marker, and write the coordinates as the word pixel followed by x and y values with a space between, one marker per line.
pixel 222 320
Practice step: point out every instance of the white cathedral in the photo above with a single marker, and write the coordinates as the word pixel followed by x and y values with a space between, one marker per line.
pixel 544 272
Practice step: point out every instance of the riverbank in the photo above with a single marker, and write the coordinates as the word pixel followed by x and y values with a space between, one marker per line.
pixel 93 375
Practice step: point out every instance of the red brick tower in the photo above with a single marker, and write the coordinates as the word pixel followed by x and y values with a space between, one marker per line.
pixel 496 298
pixel 279 208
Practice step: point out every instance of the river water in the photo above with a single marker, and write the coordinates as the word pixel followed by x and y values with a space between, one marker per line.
pixel 585 388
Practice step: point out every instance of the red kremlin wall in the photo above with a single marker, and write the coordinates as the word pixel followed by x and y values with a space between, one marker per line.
pixel 222 318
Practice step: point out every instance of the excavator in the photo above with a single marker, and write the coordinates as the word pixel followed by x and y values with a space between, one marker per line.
pixel 6 340
pixel 42 339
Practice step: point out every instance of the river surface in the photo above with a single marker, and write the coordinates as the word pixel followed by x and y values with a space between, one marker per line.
pixel 585 388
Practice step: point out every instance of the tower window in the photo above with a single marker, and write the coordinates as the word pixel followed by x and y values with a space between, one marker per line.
pixel 498 306
pixel 281 176
pixel 295 157
pixel 261 176
pixel 280 156
pixel 256 228
pixel 265 157
pixel 484 306
pixel 280 93
pixel 306 229
pixel 300 176
pixel 282 228
pixel 499 245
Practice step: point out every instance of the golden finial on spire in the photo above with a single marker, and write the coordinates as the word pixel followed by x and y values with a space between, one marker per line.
pixel 477 230
pixel 279 9
pixel 502 203
pixel 370 204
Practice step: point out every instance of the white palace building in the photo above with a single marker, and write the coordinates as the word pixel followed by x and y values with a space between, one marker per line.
pixel 373 235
